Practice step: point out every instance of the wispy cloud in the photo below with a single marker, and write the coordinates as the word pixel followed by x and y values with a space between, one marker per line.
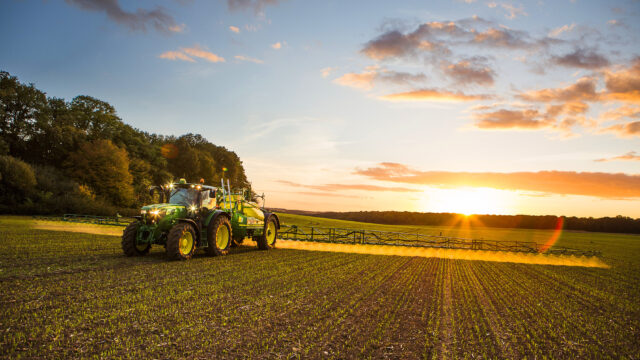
pixel 372 74
pixel 624 84
pixel 256 5
pixel 325 72
pixel 187 54
pixel 277 46
pixel 249 59
pixel 603 185
pixel 340 187
pixel 177 28
pixel 140 20
pixel 234 29
pixel 562 29
pixel 470 71
pixel 630 156
pixel 512 11
pixel 198 52
pixel 362 80
pixel 175 55
pixel 628 130
pixel 438 38
pixel 512 119
pixel 433 95
pixel 581 58
pixel 622 112
pixel 583 90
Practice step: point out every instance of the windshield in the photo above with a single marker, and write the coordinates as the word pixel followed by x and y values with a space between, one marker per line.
pixel 186 197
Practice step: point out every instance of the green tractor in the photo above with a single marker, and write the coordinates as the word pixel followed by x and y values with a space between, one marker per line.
pixel 196 216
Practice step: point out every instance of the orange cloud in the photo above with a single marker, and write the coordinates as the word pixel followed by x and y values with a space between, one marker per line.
pixel 339 187
pixel 630 129
pixel 470 72
pixel 622 112
pixel 324 194
pixel 502 37
pixel 583 90
pixel 234 29
pixel 361 81
pixel 630 156
pixel 557 31
pixel 433 95
pixel 175 55
pixel 603 185
pixel 624 85
pixel 277 45
pixel 372 74
pixel 569 108
pixel 177 28
pixel 325 72
pixel 198 52
pixel 512 119
pixel 249 59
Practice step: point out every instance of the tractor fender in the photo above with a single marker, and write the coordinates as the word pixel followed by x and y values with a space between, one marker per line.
pixel 269 214
pixel 195 226
pixel 214 215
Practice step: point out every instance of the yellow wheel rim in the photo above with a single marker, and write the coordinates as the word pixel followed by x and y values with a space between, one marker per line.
pixel 186 243
pixel 271 233
pixel 222 237
pixel 141 247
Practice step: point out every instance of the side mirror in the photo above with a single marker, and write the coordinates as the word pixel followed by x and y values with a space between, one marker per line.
pixel 212 193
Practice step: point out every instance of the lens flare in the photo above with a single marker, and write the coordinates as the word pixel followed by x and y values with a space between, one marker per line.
pixel 169 151
pixel 554 237
pixel 478 255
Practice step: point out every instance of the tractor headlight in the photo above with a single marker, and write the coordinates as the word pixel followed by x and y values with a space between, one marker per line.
pixel 143 212
pixel 158 212
pixel 192 208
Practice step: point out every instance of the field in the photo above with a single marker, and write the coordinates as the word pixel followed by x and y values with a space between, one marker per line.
pixel 73 294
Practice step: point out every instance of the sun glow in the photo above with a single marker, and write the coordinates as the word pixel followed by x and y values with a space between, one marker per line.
pixel 466 201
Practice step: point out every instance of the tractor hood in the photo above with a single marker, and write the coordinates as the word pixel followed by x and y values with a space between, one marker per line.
pixel 161 210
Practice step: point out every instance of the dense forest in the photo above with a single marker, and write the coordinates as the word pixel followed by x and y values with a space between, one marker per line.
pixel 618 224
pixel 80 157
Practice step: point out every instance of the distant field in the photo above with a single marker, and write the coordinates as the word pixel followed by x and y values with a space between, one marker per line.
pixel 71 294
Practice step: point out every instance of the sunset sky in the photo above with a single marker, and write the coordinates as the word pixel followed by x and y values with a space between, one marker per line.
pixel 460 106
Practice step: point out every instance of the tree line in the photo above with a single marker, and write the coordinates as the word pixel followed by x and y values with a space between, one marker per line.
pixel 617 224
pixel 78 156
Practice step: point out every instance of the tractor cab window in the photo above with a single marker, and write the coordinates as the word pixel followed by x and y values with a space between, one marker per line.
pixel 208 202
pixel 186 197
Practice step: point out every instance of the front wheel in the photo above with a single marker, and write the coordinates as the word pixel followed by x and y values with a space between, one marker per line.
pixel 181 242
pixel 268 239
pixel 130 247
pixel 219 237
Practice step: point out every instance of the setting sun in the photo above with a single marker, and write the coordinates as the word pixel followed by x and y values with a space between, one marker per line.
pixel 466 201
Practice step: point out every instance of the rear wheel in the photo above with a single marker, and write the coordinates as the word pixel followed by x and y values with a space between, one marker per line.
pixel 129 244
pixel 219 237
pixel 268 239
pixel 181 242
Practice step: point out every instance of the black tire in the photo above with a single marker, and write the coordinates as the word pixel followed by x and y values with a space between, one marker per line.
pixel 129 241
pixel 268 239
pixel 177 250
pixel 219 227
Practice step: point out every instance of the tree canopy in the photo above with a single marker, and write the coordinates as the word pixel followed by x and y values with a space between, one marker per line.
pixel 85 142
